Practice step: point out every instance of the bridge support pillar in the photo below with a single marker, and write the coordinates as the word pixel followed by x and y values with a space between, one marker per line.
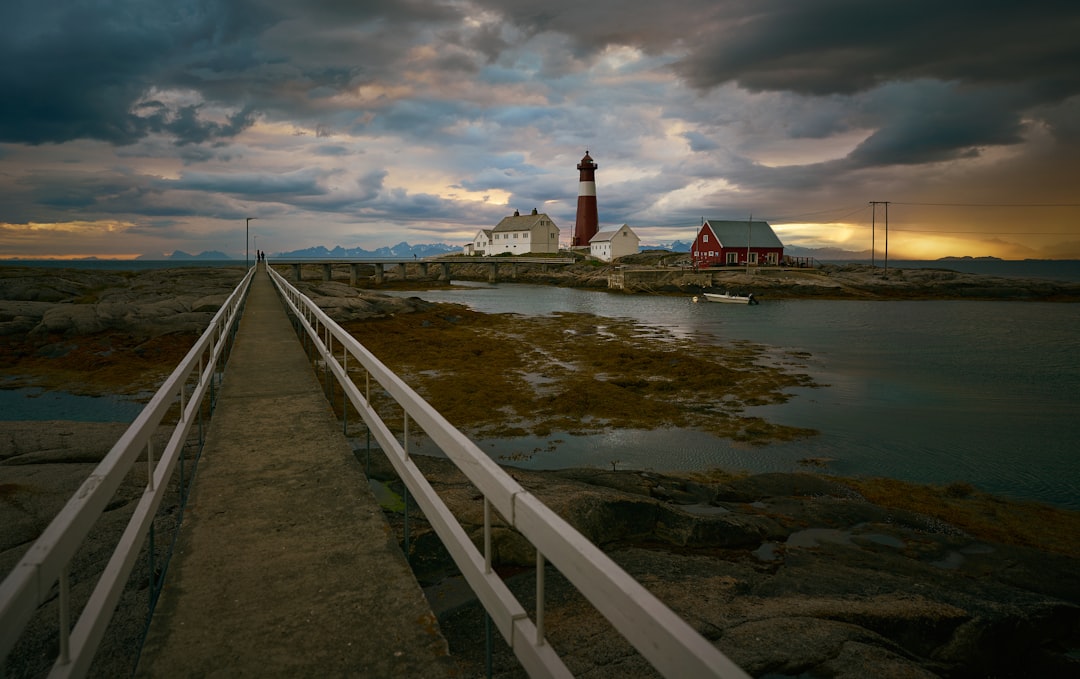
pixel 379 274
pixel 401 270
pixel 423 269
pixel 513 270
pixel 296 271
pixel 493 273
pixel 326 272
pixel 354 274
pixel 445 272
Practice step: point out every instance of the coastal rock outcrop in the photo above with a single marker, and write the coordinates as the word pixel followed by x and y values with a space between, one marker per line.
pixel 790 575
pixel 673 273
pixel 345 303
pixel 44 303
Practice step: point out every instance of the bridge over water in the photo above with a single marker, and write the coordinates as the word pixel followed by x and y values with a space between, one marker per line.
pixel 422 267
pixel 284 564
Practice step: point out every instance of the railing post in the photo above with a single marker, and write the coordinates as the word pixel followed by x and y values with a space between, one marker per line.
pixel 183 449
pixel 488 641
pixel 405 494
pixel 151 598
pixel 487 535
pixel 327 356
pixel 539 598
pixel 65 614
pixel 406 486
pixel 367 455
pixel 199 383
pixel 150 465
pixel 344 395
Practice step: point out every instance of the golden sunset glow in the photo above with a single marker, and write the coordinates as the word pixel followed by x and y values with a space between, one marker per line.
pixel 366 126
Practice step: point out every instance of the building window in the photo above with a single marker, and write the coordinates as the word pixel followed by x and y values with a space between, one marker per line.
pixel 704 238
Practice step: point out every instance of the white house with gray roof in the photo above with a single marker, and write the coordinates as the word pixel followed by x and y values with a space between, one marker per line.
pixel 517 234
pixel 612 244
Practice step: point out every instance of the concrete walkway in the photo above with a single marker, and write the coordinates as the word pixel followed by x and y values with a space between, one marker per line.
pixel 285 565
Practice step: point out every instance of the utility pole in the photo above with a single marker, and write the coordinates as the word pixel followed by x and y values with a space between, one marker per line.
pixel 886 239
pixel 873 216
pixel 874 204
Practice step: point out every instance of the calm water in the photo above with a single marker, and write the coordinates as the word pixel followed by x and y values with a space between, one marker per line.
pixel 121 264
pixel 33 403
pixel 984 392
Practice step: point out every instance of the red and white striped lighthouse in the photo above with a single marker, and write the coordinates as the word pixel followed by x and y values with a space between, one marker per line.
pixel 588 221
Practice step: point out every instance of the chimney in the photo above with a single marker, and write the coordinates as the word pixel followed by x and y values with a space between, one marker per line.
pixel 516 213
pixel 534 211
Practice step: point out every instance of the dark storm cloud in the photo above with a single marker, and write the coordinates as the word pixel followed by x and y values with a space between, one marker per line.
pixel 846 46
pixel 930 122
pixel 82 192
pixel 592 26
pixel 976 69
pixel 67 195
pixel 420 112
pixel 77 70
pixel 300 183
pixel 187 128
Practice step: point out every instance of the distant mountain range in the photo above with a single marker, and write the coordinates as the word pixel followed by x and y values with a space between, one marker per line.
pixel 674 246
pixel 181 255
pixel 402 249
pixel 406 250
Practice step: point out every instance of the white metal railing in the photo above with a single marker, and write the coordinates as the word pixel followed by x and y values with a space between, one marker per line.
pixel 673 647
pixel 47 562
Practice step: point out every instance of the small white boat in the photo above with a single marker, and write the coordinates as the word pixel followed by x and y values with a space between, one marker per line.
pixel 729 298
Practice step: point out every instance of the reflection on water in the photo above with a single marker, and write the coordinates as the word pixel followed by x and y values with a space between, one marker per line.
pixel 646 449
pixel 32 403
pixel 928 391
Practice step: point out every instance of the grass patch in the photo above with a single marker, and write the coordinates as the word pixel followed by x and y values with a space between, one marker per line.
pixel 995 519
pixel 91 364
pixel 495 373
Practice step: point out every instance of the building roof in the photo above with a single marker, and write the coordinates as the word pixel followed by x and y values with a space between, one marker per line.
pixel 733 234
pixel 518 222
pixel 608 235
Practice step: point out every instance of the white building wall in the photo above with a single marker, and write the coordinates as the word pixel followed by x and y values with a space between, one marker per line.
pixel 609 245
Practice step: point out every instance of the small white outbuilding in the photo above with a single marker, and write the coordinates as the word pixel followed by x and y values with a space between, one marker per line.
pixel 610 245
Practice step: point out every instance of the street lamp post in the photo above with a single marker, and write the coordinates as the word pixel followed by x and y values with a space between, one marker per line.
pixel 247 225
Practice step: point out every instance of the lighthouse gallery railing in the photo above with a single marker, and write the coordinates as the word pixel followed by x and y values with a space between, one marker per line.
pixel 663 638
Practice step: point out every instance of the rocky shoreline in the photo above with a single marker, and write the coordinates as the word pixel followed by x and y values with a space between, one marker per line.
pixel 789 574
pixel 661 272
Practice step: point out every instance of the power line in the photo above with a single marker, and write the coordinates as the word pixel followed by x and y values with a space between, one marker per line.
pixel 994 233
pixel 852 211
pixel 990 204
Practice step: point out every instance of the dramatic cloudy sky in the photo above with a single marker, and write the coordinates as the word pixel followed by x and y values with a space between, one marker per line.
pixel 147 126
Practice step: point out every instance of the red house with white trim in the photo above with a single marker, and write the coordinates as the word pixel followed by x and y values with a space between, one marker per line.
pixel 732 243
